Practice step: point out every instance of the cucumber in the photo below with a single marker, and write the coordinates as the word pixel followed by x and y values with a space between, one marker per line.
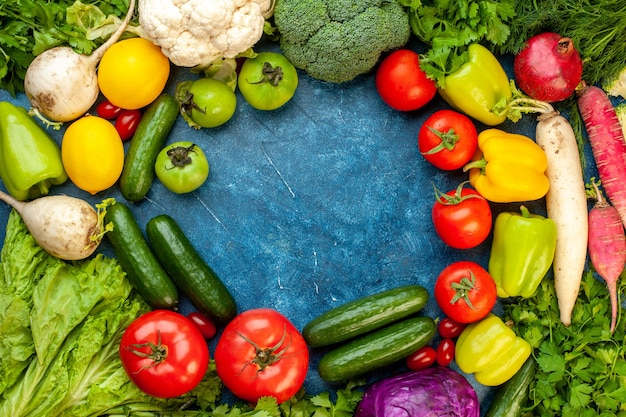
pixel 510 397
pixel 192 275
pixel 149 138
pixel 375 350
pixel 364 314
pixel 142 268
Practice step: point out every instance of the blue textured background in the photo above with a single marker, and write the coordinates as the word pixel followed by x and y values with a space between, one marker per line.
pixel 312 205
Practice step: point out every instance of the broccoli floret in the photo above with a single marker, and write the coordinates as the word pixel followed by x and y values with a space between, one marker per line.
pixel 337 40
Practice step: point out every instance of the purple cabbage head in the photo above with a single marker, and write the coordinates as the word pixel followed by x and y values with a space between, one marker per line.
pixel 432 392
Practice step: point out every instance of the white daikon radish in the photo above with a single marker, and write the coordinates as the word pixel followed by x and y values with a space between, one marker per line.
pixel 66 227
pixel 62 84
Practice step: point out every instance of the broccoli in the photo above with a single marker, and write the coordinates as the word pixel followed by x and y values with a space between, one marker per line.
pixel 337 40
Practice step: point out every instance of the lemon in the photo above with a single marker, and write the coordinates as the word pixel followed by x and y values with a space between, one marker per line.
pixel 92 153
pixel 132 73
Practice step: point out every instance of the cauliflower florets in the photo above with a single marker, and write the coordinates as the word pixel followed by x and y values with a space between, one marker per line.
pixel 197 32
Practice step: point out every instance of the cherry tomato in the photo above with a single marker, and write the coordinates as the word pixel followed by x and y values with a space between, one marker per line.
pixel 401 83
pixel 449 329
pixel 462 218
pixel 465 291
pixel 203 323
pixel 108 110
pixel 261 353
pixel 267 81
pixel 445 352
pixel 182 167
pixel 422 358
pixel 207 102
pixel 164 353
pixel 448 139
pixel 127 122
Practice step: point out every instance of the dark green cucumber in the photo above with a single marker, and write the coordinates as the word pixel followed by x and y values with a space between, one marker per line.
pixel 364 315
pixel 510 397
pixel 375 350
pixel 142 268
pixel 193 276
pixel 149 138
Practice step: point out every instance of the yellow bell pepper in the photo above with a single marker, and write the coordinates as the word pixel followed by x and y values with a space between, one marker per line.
pixel 508 167
pixel 491 351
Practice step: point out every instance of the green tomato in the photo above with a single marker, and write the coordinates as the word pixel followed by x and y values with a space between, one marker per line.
pixel 268 81
pixel 206 102
pixel 182 167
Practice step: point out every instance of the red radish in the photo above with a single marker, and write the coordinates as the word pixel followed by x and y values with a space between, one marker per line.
pixel 607 246
pixel 607 144
pixel 549 67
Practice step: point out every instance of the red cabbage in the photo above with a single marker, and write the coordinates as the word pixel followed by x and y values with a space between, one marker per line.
pixel 431 392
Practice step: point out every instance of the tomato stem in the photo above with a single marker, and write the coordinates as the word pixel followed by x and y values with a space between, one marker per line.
pixel 448 140
pixel 270 74
pixel 157 353
pixel 462 289
pixel 457 198
pixel 265 357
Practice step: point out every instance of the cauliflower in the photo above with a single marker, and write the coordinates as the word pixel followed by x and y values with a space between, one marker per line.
pixel 195 33
pixel 620 110
pixel 337 40
pixel 617 86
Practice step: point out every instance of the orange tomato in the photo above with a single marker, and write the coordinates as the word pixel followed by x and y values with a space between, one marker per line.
pixel 132 73
pixel 92 153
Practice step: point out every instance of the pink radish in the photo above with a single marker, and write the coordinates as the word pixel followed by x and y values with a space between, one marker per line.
pixel 607 246
pixel 607 144
pixel 549 68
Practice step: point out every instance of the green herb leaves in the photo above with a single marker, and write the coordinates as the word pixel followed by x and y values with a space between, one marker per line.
pixel 581 368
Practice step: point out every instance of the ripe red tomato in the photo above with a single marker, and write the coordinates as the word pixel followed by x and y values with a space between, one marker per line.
pixel 465 291
pixel 422 358
pixel 445 352
pixel 203 323
pixel 261 353
pixel 164 353
pixel 401 83
pixel 108 110
pixel 127 122
pixel 448 139
pixel 449 329
pixel 462 217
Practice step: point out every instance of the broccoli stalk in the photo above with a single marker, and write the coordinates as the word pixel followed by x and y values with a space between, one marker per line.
pixel 337 40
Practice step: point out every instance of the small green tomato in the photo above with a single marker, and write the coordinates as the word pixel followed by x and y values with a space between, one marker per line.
pixel 206 102
pixel 268 81
pixel 182 167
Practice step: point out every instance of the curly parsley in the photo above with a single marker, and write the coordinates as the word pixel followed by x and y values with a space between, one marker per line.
pixel 581 368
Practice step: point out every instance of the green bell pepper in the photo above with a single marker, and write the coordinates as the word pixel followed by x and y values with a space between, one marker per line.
pixel 478 87
pixel 30 160
pixel 522 251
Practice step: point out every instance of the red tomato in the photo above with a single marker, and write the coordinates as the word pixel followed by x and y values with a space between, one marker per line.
pixel 465 291
pixel 422 358
pixel 462 217
pixel 203 323
pixel 127 122
pixel 164 353
pixel 445 352
pixel 261 353
pixel 108 110
pixel 449 329
pixel 448 139
pixel 401 83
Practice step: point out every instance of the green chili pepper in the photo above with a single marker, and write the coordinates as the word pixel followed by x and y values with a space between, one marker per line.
pixel 30 160
pixel 521 252
pixel 478 86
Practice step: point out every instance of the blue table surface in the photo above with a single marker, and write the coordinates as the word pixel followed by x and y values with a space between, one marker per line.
pixel 312 205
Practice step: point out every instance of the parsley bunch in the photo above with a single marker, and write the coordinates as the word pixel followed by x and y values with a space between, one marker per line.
pixel 581 368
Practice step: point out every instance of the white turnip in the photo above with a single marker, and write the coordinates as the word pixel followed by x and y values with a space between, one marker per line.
pixel 549 68
pixel 62 84
pixel 66 227
pixel 607 246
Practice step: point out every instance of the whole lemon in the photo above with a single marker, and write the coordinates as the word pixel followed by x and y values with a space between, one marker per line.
pixel 92 153
pixel 132 73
